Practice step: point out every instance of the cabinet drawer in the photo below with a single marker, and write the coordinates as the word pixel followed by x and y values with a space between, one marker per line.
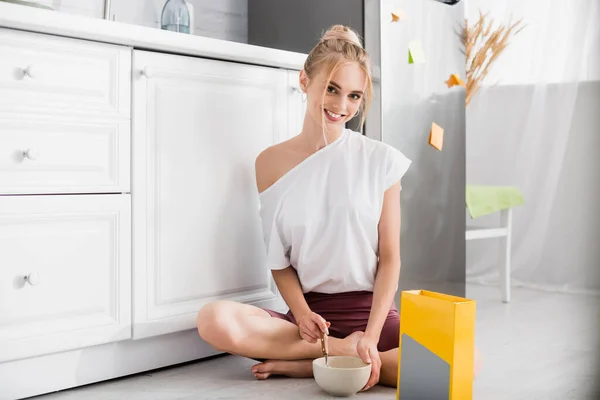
pixel 41 156
pixel 75 253
pixel 45 74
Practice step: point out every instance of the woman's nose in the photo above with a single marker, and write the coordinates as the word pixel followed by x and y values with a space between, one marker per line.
pixel 339 106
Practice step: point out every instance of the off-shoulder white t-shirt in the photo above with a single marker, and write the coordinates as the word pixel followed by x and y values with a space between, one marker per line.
pixel 322 216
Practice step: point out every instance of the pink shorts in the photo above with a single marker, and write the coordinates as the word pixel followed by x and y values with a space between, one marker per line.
pixel 349 312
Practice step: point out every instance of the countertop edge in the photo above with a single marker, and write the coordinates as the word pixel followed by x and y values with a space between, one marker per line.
pixel 38 20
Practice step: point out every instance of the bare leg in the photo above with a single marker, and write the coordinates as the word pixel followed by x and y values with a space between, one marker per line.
pixel 389 368
pixel 249 331
pixel 294 369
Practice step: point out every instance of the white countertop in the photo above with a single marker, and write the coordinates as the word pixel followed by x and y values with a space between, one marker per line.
pixel 141 37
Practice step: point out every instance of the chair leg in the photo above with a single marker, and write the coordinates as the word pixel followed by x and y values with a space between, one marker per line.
pixel 506 220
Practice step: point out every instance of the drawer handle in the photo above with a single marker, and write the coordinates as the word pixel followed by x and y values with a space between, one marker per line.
pixel 32 154
pixel 33 278
pixel 30 72
pixel 148 72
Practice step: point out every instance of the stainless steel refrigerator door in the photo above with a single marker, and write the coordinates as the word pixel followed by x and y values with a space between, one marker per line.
pixel 413 96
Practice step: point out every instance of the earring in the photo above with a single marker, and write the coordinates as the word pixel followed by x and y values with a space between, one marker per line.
pixel 303 97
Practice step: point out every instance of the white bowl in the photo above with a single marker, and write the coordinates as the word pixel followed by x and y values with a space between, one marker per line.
pixel 344 376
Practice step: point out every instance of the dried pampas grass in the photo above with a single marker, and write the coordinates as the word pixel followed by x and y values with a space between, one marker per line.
pixel 482 45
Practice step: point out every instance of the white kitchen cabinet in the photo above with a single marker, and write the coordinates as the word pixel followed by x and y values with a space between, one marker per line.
pixel 128 196
pixel 65 211
pixel 65 280
pixel 54 155
pixel 198 126
pixel 61 76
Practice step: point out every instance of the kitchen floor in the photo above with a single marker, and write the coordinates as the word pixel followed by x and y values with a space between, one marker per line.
pixel 540 346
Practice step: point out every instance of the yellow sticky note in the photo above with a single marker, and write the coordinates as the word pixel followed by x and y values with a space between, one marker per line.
pixel 415 52
pixel 436 136
pixel 398 15
pixel 454 80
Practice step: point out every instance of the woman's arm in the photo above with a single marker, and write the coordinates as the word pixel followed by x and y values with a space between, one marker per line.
pixel 309 323
pixel 388 270
pixel 288 285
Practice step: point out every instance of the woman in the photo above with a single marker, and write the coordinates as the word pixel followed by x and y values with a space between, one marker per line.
pixel 331 220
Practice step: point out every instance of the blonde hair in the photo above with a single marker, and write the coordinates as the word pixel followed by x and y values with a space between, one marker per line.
pixel 340 45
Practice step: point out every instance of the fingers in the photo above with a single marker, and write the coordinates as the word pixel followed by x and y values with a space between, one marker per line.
pixel 311 327
pixel 363 353
pixel 375 373
pixel 321 323
pixel 309 339
pixel 308 335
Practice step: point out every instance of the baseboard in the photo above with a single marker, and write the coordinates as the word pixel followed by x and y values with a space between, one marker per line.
pixel 54 372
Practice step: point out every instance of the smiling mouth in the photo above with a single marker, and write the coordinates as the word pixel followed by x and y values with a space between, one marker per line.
pixel 333 116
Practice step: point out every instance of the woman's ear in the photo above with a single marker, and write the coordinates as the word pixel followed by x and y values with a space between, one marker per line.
pixel 303 80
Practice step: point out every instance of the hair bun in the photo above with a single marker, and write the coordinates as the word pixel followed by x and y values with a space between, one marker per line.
pixel 343 33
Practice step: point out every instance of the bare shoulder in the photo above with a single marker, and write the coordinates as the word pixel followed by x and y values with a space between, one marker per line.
pixel 269 165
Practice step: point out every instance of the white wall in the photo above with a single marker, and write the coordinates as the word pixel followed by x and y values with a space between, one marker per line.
pixel 559 43
pixel 88 8
pixel 218 19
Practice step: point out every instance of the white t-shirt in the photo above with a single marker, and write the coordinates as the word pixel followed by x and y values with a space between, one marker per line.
pixel 322 216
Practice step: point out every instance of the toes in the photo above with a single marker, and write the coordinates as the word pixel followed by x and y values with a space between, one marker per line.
pixel 262 376
pixel 261 371
pixel 258 368
pixel 262 368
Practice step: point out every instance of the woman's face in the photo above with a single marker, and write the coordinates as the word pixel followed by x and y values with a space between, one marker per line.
pixel 343 94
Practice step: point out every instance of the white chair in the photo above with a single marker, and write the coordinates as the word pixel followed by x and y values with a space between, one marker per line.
pixel 505 233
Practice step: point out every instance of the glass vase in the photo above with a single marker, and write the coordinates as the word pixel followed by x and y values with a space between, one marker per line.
pixel 175 16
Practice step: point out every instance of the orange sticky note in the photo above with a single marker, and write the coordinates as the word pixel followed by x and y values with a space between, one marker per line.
pixel 436 136
pixel 398 15
pixel 454 80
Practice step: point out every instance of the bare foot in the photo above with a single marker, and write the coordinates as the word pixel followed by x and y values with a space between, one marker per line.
pixel 293 369
pixel 349 343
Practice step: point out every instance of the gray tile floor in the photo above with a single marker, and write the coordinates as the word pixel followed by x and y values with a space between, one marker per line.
pixel 540 346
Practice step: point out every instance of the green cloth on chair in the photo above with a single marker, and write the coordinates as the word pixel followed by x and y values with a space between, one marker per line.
pixel 483 200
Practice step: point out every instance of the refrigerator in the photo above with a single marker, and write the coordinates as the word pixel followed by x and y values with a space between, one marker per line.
pixel 413 96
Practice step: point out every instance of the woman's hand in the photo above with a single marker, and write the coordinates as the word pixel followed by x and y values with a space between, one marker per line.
pixel 311 325
pixel 367 351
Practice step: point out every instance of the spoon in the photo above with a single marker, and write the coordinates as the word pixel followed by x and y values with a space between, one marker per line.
pixel 324 347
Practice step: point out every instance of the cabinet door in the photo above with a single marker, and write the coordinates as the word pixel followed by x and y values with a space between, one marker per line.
pixel 65 273
pixel 198 126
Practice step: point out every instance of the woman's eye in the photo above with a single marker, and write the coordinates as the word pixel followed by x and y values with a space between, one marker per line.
pixel 355 96
pixel 331 89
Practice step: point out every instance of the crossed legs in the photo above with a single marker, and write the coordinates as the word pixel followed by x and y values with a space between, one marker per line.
pixel 249 331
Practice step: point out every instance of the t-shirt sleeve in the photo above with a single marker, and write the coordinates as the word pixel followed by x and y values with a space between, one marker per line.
pixel 277 250
pixel 396 166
